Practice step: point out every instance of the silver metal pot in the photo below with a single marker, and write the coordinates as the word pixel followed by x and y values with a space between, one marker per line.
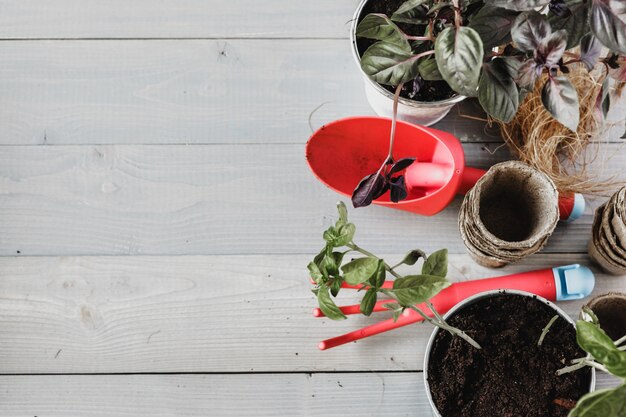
pixel 471 300
pixel 381 100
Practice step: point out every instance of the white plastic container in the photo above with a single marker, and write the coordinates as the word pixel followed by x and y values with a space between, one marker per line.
pixel 423 113
pixel 471 300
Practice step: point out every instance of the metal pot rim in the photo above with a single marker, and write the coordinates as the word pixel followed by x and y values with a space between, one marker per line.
pixel 412 103
pixel 471 300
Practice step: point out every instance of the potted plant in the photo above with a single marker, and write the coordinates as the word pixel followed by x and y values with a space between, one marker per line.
pixel 604 354
pixel 525 340
pixel 439 52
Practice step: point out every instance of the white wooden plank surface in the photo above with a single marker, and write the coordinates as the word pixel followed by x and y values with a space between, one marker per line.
pixel 379 395
pixel 62 19
pixel 184 91
pixel 206 199
pixel 199 314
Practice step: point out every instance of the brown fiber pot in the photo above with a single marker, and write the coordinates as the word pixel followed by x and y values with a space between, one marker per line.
pixel 607 246
pixel 509 214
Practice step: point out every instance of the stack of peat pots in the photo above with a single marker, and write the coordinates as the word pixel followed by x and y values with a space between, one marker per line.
pixel 509 214
pixel 608 240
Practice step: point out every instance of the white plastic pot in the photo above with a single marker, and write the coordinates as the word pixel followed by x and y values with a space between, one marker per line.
pixel 471 300
pixel 423 113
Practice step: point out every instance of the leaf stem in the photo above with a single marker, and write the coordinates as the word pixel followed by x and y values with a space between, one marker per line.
pixel 620 340
pixel 396 96
pixel 434 310
pixel 419 38
pixel 359 249
pixel 581 363
pixel 445 326
pixel 546 329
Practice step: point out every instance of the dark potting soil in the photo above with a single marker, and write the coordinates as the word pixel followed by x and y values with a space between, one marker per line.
pixel 510 376
pixel 428 90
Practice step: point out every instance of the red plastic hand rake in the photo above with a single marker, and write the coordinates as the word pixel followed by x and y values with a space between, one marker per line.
pixel 571 282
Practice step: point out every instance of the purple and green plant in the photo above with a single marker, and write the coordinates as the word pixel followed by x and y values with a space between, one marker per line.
pixel 497 50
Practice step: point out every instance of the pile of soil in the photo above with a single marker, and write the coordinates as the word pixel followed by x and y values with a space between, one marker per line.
pixel 428 90
pixel 510 376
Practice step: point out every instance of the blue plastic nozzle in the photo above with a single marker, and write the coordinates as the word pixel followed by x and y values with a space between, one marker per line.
pixel 573 282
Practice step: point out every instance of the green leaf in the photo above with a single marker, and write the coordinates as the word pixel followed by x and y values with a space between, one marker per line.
pixel 529 30
pixel 359 270
pixel 602 403
pixel 429 70
pixel 493 25
pixel 381 274
pixel 343 214
pixel 346 234
pixel 380 27
pixel 459 57
pixel 415 289
pixel 559 97
pixel 335 286
pixel 396 308
pixel 315 272
pixel 368 301
pixel 339 236
pixel 592 316
pixel 608 24
pixel 411 11
pixel 328 306
pixel 436 264
pixel 592 339
pixel 389 64
pixel 520 5
pixel 575 24
pixel 497 92
pixel 413 256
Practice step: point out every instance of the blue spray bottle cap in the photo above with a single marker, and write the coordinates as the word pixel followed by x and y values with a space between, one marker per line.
pixel 573 282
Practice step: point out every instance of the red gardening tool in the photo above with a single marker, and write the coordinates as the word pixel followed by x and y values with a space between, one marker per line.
pixel 341 153
pixel 571 282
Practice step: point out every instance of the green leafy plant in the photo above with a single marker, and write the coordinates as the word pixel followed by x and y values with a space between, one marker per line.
pixel 497 50
pixel 605 355
pixel 329 272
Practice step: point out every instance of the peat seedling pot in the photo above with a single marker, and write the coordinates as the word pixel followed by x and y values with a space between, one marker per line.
pixel 607 246
pixel 381 100
pixel 509 214
pixel 511 374
pixel 611 312
pixel 342 152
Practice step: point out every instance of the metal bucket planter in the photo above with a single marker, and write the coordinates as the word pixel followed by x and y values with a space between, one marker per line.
pixel 474 299
pixel 381 100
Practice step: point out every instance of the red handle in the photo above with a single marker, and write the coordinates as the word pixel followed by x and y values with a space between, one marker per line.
pixel 540 282
pixel 432 176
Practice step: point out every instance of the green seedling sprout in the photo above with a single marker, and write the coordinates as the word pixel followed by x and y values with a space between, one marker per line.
pixel 329 271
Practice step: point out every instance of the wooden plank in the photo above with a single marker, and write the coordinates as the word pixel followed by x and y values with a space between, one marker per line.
pixel 175 19
pixel 386 394
pixel 193 91
pixel 207 199
pixel 200 314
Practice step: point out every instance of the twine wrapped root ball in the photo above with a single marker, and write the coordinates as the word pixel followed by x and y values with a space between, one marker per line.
pixel 509 214
pixel 607 246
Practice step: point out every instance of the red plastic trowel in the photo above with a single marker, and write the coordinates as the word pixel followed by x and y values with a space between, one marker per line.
pixel 341 153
